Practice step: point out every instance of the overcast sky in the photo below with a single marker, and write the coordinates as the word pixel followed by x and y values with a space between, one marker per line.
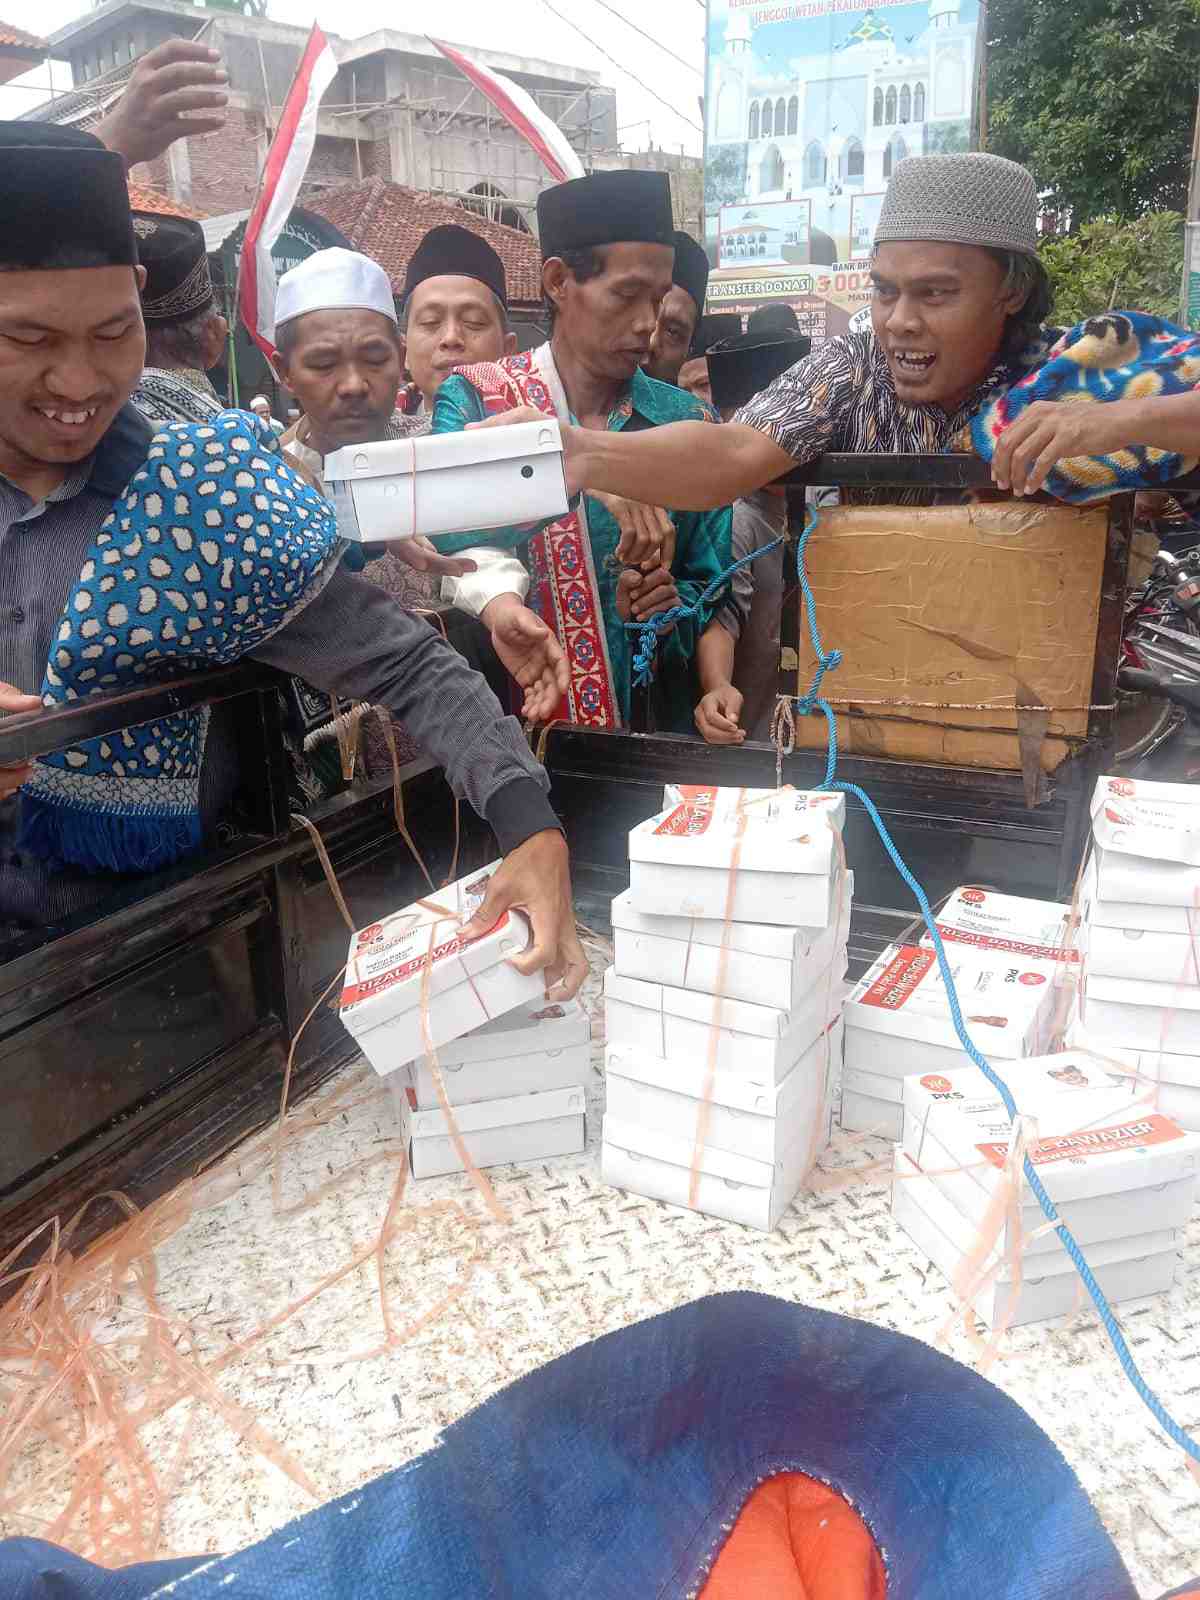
pixel 519 26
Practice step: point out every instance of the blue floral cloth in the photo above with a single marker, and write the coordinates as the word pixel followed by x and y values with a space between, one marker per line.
pixel 1122 355
pixel 213 546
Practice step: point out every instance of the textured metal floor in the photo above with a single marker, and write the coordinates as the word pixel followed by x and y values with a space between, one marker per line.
pixel 578 1260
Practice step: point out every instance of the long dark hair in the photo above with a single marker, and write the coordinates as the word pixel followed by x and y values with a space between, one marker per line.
pixel 1023 273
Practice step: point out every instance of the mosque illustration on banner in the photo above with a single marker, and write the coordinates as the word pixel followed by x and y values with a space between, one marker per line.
pixel 808 119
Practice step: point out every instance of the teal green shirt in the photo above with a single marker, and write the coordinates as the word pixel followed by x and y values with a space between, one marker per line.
pixel 703 547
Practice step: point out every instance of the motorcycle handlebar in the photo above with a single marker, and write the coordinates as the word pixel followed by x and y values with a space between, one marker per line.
pixel 1180 690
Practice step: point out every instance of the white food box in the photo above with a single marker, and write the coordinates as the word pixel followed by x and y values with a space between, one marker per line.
pixel 759 1120
pixel 1135 880
pixel 898 1015
pixel 1155 821
pixel 543 1045
pixel 1142 1015
pixel 1126 940
pixel 523 1127
pixel 1171 1081
pixel 788 865
pixel 764 964
pixel 486 478
pixel 761 1043
pixel 737 1188
pixel 468 984
pixel 865 1112
pixel 1112 1165
pixel 1004 922
pixel 1048 1286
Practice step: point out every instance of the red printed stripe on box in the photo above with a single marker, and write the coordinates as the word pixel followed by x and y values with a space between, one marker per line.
pixel 354 992
pixel 1154 1129
pixel 900 978
pixel 1016 947
pixel 692 818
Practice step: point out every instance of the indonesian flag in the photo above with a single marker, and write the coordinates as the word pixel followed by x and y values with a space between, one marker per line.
pixel 287 162
pixel 521 111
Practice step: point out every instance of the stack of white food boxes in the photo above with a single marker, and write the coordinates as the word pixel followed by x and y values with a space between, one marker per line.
pixel 513 1068
pixel 729 961
pixel 1140 936
pixel 1122 1176
pixel 1008 962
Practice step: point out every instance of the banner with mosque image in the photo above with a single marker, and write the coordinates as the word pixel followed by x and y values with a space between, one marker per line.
pixel 809 105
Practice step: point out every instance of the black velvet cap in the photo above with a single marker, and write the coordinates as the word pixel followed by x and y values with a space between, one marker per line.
pixel 776 317
pixel 711 330
pixel 691 268
pixel 456 252
pixel 63 200
pixel 178 284
pixel 740 368
pixel 619 207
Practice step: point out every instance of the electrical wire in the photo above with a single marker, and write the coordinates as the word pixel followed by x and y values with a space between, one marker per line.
pixel 674 110
pixel 629 23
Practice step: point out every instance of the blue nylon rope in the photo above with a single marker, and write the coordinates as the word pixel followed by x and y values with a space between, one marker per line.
pixel 807 705
pixel 647 634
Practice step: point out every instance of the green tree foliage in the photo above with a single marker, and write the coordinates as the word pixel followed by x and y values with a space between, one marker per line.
pixel 1109 264
pixel 1098 98
pixel 725 175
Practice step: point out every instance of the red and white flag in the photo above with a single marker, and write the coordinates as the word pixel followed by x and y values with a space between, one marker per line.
pixel 518 108
pixel 287 162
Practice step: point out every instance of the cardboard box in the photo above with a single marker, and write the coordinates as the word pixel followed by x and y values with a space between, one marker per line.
pixel 462 481
pixel 734 1187
pixel 759 1120
pixel 536 1047
pixel 1006 923
pixel 956 606
pixel 761 1043
pixel 787 862
pixel 1049 1286
pixel 1154 821
pixel 763 964
pixel 898 1015
pixel 1111 1164
pixel 1142 1015
pixel 524 1127
pixel 468 983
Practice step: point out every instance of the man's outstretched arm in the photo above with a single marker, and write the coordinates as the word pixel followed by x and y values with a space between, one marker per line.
pixel 687 466
pixel 355 641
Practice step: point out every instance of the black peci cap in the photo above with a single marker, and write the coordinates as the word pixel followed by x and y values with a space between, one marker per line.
pixel 606 208
pixel 711 330
pixel 740 368
pixel 691 268
pixel 178 284
pixel 64 202
pixel 451 251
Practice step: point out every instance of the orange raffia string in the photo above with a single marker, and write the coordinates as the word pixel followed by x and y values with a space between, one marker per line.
pixel 90 1356
pixel 704 1114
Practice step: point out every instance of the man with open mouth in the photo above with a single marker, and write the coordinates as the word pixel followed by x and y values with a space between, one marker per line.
pixel 958 315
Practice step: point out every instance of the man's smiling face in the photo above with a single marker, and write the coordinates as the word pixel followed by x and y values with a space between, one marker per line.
pixel 72 348
pixel 939 312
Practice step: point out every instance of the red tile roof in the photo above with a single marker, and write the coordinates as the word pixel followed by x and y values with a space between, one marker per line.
pixel 17 38
pixel 143 199
pixel 387 221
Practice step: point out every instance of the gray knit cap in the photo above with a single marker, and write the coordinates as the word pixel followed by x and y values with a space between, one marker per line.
pixel 974 198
